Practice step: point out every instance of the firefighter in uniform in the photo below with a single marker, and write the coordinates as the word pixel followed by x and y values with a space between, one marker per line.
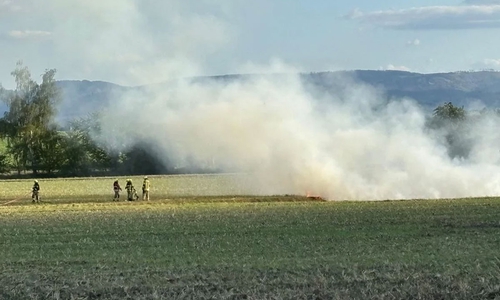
pixel 35 190
pixel 131 192
pixel 145 188
pixel 117 188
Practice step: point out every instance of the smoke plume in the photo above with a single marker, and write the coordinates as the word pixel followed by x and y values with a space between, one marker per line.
pixel 285 134
pixel 289 140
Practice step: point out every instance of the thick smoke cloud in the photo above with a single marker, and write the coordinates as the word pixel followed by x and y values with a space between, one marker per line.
pixel 286 135
pixel 290 141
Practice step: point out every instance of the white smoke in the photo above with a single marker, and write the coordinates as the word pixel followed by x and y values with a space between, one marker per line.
pixel 288 136
pixel 347 147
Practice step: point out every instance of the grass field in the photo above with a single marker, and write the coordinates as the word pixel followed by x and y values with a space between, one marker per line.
pixel 243 247
pixel 99 189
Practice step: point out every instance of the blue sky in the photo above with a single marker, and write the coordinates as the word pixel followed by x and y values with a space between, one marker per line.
pixel 140 41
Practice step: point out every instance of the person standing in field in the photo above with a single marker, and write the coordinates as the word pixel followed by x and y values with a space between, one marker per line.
pixel 35 190
pixel 145 188
pixel 117 189
pixel 131 191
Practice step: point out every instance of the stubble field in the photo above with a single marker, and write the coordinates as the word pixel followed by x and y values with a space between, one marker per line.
pixel 184 245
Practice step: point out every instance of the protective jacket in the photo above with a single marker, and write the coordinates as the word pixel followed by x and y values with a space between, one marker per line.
pixel 146 185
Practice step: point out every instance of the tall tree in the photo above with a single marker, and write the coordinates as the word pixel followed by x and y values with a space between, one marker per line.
pixel 28 121
pixel 451 122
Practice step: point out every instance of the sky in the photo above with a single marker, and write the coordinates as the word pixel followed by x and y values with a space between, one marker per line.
pixel 133 42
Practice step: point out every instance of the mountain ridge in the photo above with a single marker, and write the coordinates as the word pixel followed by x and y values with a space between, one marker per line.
pixel 474 89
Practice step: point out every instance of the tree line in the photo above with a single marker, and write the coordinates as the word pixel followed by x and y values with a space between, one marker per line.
pixel 32 144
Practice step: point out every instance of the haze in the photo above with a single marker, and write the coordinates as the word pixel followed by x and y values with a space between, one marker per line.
pixel 289 139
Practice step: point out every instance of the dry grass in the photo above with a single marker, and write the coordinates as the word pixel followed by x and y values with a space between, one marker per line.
pixel 99 189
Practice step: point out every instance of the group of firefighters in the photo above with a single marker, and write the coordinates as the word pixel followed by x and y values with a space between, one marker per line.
pixel 131 191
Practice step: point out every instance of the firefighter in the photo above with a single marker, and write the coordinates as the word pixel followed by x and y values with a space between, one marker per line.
pixel 129 187
pixel 145 188
pixel 131 191
pixel 35 191
pixel 117 188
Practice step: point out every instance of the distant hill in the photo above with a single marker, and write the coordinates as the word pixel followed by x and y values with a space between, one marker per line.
pixel 83 97
pixel 429 90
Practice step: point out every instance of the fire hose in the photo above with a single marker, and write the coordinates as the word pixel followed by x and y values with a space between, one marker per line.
pixel 15 200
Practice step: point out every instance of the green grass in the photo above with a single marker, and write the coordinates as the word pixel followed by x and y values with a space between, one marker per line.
pixel 243 247
pixel 100 189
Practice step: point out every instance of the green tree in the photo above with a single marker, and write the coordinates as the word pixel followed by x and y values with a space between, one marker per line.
pixel 28 123
pixel 449 113
pixel 451 122
pixel 83 155
pixel 50 151
pixel 5 164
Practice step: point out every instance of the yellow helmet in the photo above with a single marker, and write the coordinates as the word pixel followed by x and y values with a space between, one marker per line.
pixel 36 181
pixel 145 177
